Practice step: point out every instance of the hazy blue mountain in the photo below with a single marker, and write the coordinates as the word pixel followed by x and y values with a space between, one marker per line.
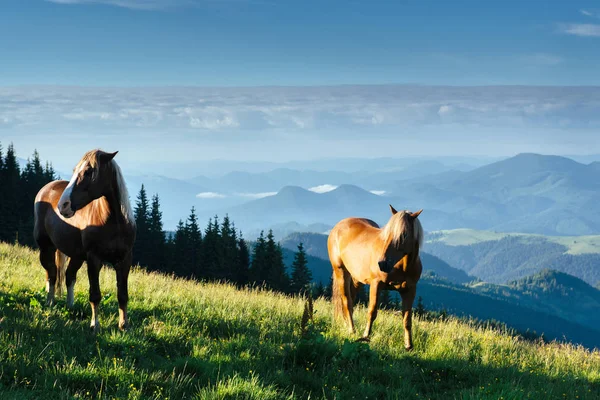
pixel 293 203
pixel 526 193
pixel 289 228
pixel 529 193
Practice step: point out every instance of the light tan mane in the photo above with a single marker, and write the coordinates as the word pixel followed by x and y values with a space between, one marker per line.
pixel 399 228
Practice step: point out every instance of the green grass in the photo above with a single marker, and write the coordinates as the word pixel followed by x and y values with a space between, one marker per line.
pixel 209 341
pixel 466 237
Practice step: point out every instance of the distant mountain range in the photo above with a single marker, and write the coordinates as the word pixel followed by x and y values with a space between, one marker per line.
pixel 527 193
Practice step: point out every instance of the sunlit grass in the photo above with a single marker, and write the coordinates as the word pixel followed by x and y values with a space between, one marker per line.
pixel 209 341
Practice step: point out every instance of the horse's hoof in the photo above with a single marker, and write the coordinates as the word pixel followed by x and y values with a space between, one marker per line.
pixel 408 348
pixel 94 329
pixel 364 339
pixel 123 326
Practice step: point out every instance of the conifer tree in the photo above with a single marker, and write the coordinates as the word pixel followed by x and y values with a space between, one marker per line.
pixel 178 260
pixel 420 308
pixel 11 187
pixel 301 275
pixel 275 276
pixel 157 239
pixel 194 242
pixel 242 271
pixel 384 299
pixel 141 249
pixel 259 260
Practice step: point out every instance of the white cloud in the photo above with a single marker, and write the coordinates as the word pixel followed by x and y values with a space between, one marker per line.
pixel 210 195
pixel 585 30
pixel 256 195
pixel 323 188
pixel 590 13
pixel 543 59
pixel 378 192
pixel 133 4
pixel 444 110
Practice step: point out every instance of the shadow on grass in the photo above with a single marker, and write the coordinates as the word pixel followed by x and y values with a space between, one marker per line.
pixel 50 353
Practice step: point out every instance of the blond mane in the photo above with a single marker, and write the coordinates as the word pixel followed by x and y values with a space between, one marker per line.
pixel 398 227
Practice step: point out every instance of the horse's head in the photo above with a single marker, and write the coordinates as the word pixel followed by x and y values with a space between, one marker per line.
pixel 92 178
pixel 403 233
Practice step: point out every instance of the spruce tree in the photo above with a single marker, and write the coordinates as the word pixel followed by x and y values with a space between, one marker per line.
pixel 228 256
pixel 157 236
pixel 259 260
pixel 12 199
pixel 179 262
pixel 141 249
pixel 194 242
pixel 242 270
pixel 301 275
pixel 210 251
pixel 275 275
pixel 420 308
pixel 384 299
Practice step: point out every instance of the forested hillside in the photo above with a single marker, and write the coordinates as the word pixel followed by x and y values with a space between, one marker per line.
pixel 500 258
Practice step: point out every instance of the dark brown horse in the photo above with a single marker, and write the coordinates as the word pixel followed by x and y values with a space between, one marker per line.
pixel 87 219
pixel 387 258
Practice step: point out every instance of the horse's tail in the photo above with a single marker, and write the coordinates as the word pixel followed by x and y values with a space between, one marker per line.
pixel 60 260
pixel 336 296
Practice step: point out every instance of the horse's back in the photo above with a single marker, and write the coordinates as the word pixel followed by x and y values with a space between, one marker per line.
pixel 345 232
pixel 51 193
pixel 45 203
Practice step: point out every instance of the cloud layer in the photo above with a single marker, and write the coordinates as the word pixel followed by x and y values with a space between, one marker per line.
pixel 278 123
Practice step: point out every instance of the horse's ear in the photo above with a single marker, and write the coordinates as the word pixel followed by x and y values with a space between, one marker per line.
pixel 393 210
pixel 415 215
pixel 106 157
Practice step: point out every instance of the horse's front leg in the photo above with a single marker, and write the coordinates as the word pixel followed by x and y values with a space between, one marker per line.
pixel 408 297
pixel 122 270
pixel 93 265
pixel 372 313
pixel 48 261
pixel 71 278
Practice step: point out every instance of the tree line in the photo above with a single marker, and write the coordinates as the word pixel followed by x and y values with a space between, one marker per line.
pixel 17 193
pixel 218 252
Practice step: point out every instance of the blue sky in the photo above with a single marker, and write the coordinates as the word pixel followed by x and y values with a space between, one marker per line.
pixel 169 81
pixel 283 42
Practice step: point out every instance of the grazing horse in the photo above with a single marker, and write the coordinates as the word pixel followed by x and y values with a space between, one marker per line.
pixel 386 259
pixel 87 219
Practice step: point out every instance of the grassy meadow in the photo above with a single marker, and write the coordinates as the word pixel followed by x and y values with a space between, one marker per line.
pixel 208 341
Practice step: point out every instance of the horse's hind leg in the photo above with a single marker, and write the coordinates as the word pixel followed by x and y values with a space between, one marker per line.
pixel 122 270
pixel 47 259
pixel 71 278
pixel 93 267
pixel 354 289
pixel 341 295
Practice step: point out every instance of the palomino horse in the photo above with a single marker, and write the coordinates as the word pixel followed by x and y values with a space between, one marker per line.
pixel 386 258
pixel 87 219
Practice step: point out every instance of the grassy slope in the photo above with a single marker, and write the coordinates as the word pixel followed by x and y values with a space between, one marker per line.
pixel 201 341
pixel 465 237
